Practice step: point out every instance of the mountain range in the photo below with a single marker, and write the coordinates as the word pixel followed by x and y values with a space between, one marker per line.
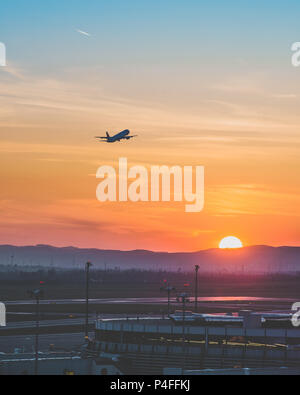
pixel 254 259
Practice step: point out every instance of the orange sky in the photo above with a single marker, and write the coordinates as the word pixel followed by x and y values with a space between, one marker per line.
pixel 248 145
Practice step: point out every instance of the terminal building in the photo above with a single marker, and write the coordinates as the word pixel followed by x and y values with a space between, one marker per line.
pixel 192 342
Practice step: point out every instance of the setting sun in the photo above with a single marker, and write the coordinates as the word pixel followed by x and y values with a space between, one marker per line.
pixel 230 242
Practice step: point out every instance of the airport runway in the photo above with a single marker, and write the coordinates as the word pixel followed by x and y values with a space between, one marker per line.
pixel 66 322
pixel 234 303
pixel 47 323
pixel 153 300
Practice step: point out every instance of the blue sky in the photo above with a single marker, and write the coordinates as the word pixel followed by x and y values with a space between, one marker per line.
pixel 42 33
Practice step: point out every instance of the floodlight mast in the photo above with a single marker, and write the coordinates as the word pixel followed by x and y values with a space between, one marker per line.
pixel 87 273
pixel 37 294
pixel 169 289
pixel 197 267
pixel 184 299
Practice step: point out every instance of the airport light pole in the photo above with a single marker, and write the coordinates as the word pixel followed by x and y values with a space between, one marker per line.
pixel 197 267
pixel 37 294
pixel 169 289
pixel 87 274
pixel 184 299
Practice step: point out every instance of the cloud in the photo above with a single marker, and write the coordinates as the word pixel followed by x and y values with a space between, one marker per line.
pixel 13 71
pixel 84 33
pixel 251 199
pixel 285 96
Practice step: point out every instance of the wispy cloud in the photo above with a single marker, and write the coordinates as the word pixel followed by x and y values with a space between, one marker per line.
pixel 285 96
pixel 13 71
pixel 83 33
pixel 251 199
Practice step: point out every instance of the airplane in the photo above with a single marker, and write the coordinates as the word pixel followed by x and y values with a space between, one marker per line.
pixel 118 137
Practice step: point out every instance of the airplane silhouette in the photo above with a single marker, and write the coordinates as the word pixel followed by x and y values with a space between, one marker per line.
pixel 118 137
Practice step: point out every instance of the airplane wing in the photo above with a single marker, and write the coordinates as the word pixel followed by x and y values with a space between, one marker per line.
pixel 100 137
pixel 131 137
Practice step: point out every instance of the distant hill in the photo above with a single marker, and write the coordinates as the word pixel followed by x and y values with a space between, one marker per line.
pixel 256 259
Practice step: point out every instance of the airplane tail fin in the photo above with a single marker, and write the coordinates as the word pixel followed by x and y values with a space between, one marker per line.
pixel 107 135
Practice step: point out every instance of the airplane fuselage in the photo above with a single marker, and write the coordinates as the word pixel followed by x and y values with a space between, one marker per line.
pixel 118 137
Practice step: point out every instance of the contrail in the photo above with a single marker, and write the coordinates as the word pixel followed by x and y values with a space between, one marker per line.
pixel 84 33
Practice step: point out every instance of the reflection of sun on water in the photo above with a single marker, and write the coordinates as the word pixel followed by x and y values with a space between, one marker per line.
pixel 230 242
